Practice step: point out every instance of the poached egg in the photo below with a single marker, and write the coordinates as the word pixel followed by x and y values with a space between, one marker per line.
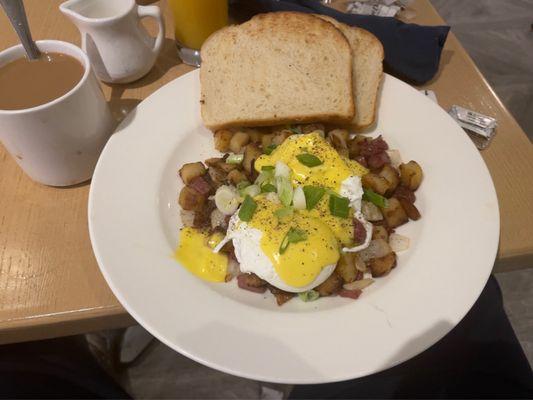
pixel 310 259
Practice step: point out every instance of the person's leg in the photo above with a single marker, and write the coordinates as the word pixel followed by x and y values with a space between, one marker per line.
pixel 56 368
pixel 481 357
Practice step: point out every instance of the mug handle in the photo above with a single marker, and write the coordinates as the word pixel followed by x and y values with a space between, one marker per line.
pixel 154 12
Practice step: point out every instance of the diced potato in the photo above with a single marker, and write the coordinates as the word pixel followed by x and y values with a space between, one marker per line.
pixel 214 161
pixel 394 213
pixel 224 166
pixel 190 171
pixel 375 182
pixel 346 267
pixel 354 148
pixel 266 140
pixel 280 136
pixel 371 212
pixel 251 153
pixel 222 140
pixel 217 175
pixel 255 135
pixel 190 199
pixel 380 232
pixel 202 215
pixel 308 128
pixel 410 209
pixel 382 266
pixel 238 141
pixel 392 177
pixel 330 286
pixel 281 296
pixel 411 175
pixel 253 280
pixel 339 138
pixel 360 264
pixel 236 176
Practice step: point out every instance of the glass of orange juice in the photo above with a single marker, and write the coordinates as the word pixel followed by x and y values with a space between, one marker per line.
pixel 194 21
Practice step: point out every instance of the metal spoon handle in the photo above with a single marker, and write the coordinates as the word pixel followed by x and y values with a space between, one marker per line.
pixel 16 14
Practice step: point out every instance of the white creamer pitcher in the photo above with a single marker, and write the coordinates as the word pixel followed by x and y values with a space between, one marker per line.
pixel 118 46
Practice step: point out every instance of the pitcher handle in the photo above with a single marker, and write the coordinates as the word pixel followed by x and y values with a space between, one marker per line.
pixel 154 12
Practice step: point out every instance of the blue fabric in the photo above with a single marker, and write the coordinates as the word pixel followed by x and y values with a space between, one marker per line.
pixel 412 52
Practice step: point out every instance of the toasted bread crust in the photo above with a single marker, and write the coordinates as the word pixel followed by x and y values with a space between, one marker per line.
pixel 363 43
pixel 275 38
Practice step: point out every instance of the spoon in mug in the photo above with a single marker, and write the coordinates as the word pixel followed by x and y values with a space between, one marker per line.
pixel 16 14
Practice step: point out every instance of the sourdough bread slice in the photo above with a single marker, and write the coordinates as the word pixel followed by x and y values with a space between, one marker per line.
pixel 367 67
pixel 276 68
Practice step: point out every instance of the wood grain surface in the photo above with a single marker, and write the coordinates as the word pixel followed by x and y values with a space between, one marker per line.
pixel 50 284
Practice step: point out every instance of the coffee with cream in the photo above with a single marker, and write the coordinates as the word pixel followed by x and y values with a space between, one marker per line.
pixel 26 84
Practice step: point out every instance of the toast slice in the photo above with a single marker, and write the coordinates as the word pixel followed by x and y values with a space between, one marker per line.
pixel 367 65
pixel 276 68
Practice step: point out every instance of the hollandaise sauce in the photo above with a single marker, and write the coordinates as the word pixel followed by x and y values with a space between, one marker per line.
pixel 334 169
pixel 300 263
pixel 196 254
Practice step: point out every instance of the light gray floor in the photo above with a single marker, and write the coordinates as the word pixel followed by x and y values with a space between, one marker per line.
pixel 498 36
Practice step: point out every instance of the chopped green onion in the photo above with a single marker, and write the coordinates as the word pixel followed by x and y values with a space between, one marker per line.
pixel 270 148
pixel 268 188
pixel 264 176
pixel 373 197
pixel 309 160
pixel 339 206
pixel 267 168
pixel 283 212
pixel 298 198
pixel 247 209
pixel 235 159
pixel 313 194
pixel 284 188
pixel 252 191
pixel 310 295
pixel 282 169
pixel 294 235
pixel 242 184
pixel 297 130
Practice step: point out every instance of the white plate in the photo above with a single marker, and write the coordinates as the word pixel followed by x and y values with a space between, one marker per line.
pixel 133 222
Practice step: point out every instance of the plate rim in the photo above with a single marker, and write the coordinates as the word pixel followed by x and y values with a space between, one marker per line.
pixel 117 292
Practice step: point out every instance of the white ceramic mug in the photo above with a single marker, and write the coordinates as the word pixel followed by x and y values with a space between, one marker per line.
pixel 118 46
pixel 59 142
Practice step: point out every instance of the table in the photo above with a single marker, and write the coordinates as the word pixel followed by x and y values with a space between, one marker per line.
pixel 50 284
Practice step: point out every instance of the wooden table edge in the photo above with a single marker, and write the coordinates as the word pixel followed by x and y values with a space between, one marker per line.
pixel 69 323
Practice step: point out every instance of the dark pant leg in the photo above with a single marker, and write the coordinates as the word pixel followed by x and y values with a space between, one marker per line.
pixel 56 368
pixel 481 357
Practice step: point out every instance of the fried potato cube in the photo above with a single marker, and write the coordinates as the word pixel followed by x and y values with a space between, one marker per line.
pixel 394 213
pixel 382 266
pixel 190 171
pixel 222 139
pixel 411 175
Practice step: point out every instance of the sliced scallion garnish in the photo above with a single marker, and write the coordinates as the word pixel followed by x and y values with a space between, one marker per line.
pixel 339 206
pixel 270 148
pixel 284 212
pixel 294 235
pixel 247 209
pixel 284 188
pixel 268 188
pixel 310 295
pixel 309 160
pixel 235 159
pixel 313 194
pixel 373 197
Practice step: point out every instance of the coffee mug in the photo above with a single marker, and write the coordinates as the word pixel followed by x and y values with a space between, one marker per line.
pixel 58 143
